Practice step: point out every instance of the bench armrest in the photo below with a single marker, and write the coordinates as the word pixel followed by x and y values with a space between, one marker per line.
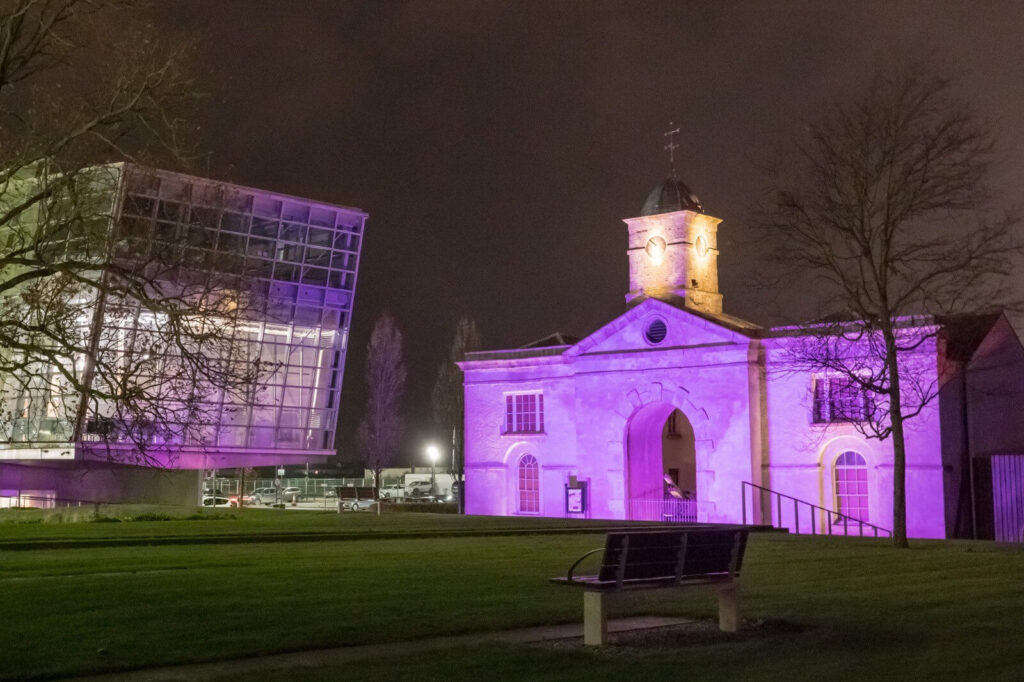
pixel 568 575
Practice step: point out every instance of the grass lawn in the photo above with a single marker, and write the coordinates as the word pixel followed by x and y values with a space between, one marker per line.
pixel 851 609
pixel 132 523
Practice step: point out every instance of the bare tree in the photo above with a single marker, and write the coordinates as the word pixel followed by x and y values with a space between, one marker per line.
pixel 448 396
pixel 381 427
pixel 107 334
pixel 884 214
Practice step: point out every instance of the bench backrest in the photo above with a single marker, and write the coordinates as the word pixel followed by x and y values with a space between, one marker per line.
pixel 347 492
pixel 673 554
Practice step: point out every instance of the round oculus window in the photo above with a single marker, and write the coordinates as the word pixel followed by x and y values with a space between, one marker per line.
pixel 656 331
pixel 702 246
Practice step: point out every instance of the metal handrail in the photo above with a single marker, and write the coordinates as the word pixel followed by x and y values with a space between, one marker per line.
pixel 778 497
pixel 568 575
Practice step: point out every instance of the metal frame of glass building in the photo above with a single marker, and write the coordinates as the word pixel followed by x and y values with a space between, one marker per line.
pixel 305 257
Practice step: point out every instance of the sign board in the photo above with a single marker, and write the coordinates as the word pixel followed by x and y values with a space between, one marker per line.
pixel 574 500
pixel 280 472
pixel 575 496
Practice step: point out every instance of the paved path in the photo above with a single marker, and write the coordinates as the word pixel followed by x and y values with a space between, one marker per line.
pixel 294 662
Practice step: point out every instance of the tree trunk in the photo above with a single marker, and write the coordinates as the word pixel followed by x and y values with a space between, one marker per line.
pixel 899 448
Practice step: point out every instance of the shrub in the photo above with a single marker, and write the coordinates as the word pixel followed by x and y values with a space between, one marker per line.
pixel 150 517
pixel 423 507
pixel 206 516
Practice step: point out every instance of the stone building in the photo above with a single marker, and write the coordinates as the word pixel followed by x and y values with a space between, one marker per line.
pixel 670 410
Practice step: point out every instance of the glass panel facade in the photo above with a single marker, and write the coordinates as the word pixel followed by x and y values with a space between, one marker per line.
pixel 303 258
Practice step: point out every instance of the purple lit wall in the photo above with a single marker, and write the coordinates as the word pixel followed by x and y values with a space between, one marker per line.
pixel 669 410
pixel 606 400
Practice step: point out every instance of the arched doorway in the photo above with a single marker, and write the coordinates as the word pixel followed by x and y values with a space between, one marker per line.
pixel 679 454
pixel 661 448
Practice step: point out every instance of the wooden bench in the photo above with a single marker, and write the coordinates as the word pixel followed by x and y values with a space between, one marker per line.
pixel 649 559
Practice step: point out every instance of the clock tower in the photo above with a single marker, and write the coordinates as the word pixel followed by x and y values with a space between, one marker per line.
pixel 673 250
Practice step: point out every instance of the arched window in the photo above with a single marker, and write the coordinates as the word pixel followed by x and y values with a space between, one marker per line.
pixel 529 485
pixel 851 474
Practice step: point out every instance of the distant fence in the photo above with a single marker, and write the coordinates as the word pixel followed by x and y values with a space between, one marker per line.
pixel 1008 497
pixel 308 487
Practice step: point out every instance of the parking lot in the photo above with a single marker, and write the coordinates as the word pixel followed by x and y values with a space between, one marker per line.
pixel 321 503
pixel 321 494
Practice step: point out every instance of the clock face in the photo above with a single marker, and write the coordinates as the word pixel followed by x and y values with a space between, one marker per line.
pixel 701 246
pixel 656 249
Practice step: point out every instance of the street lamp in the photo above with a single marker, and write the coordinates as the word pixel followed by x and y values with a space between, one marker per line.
pixel 432 454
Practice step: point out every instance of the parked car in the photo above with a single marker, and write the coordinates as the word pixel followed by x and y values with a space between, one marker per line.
pixel 262 496
pixel 417 488
pixel 395 491
pixel 358 505
pixel 289 494
pixel 217 501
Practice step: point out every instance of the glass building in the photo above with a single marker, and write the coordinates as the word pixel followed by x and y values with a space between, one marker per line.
pixel 300 259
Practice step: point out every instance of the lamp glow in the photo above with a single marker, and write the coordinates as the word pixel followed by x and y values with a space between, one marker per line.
pixel 655 249
pixel 433 454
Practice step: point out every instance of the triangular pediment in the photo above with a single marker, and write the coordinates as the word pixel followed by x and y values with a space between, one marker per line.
pixel 682 328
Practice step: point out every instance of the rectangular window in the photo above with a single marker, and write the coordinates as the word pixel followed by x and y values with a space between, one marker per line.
pixel 524 413
pixel 839 399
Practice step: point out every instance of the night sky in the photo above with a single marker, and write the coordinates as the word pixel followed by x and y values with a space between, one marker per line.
pixel 498 146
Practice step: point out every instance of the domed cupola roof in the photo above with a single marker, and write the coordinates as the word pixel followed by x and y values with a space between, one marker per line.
pixel 672 195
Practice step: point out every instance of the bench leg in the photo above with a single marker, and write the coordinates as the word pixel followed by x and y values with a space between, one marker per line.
pixel 729 607
pixel 595 621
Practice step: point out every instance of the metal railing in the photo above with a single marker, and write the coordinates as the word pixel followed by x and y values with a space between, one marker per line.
pixel 779 505
pixel 670 510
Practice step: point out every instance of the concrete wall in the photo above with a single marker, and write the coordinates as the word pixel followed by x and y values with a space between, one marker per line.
pixel 100 482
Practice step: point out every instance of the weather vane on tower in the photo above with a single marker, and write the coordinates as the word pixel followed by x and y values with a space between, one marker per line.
pixel 672 146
